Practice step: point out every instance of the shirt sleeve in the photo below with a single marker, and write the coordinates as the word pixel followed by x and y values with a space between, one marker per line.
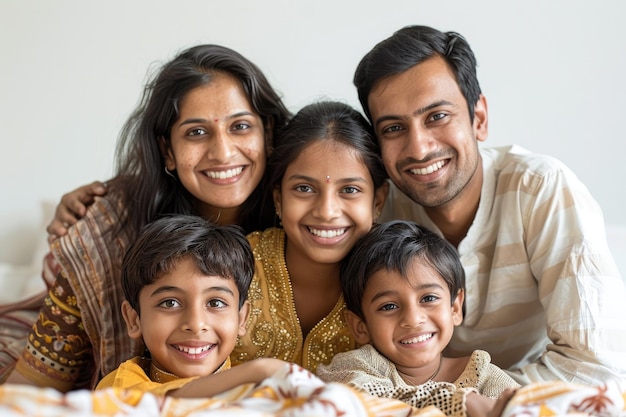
pixel 579 286
pixel 58 351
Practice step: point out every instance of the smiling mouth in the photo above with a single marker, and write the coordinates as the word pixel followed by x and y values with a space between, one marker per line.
pixel 222 175
pixel 429 169
pixel 418 339
pixel 327 233
pixel 193 350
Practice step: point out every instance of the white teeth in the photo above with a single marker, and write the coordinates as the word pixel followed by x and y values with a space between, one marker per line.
pixel 327 233
pixel 222 175
pixel 429 169
pixel 194 351
pixel 417 339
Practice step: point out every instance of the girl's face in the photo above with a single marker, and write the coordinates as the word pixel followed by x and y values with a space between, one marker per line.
pixel 326 202
pixel 218 148
pixel 409 319
pixel 189 321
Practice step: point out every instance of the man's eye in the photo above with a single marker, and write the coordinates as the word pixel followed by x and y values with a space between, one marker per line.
pixel 392 128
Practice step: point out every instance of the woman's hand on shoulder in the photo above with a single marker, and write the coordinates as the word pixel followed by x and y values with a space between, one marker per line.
pixel 73 207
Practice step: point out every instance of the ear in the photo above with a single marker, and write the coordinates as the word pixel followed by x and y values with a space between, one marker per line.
pixel 358 327
pixel 133 323
pixel 277 196
pixel 244 312
pixel 380 196
pixel 168 155
pixel 481 122
pixel 457 308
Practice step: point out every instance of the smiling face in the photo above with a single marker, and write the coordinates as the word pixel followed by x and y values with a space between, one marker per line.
pixel 189 321
pixel 409 319
pixel 326 202
pixel 217 147
pixel 428 143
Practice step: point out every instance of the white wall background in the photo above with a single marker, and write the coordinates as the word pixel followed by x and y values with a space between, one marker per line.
pixel 554 73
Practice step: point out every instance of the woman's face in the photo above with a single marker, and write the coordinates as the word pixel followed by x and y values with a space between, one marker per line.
pixel 217 148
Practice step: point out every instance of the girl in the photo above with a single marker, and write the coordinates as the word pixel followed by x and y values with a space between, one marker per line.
pixel 328 186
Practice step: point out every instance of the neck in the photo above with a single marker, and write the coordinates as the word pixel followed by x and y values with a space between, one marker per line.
pixel 455 217
pixel 221 216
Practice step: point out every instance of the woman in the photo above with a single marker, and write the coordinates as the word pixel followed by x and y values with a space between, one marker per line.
pixel 197 144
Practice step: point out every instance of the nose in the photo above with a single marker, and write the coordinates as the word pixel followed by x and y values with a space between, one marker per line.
pixel 328 205
pixel 195 320
pixel 412 316
pixel 420 142
pixel 221 146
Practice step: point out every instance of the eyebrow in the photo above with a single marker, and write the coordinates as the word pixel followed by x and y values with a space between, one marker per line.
pixel 417 112
pixel 171 288
pixel 202 120
pixel 311 179
pixel 381 294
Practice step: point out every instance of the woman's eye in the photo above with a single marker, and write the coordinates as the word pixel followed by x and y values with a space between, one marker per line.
pixel 197 132
pixel 241 126
pixel 216 304
pixel 169 303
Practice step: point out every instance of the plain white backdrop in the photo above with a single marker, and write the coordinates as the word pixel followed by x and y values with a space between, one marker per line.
pixel 71 72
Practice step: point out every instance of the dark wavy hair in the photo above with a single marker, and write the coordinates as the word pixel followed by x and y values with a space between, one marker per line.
pixel 410 46
pixel 392 246
pixel 215 250
pixel 140 181
pixel 324 121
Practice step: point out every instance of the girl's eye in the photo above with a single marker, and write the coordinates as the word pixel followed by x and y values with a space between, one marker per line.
pixel 388 306
pixel 351 190
pixel 169 303
pixel 217 304
pixel 304 188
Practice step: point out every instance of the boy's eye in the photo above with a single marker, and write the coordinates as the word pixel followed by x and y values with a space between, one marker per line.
pixel 169 303
pixel 430 298
pixel 388 306
pixel 217 304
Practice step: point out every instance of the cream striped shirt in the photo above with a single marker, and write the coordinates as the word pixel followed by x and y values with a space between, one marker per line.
pixel 543 294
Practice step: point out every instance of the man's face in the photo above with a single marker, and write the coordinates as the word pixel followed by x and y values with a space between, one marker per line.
pixel 428 143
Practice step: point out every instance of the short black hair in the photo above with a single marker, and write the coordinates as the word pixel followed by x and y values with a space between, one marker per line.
pixel 393 246
pixel 216 250
pixel 410 46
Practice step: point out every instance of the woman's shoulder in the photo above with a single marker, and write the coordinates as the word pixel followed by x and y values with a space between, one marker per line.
pixel 268 239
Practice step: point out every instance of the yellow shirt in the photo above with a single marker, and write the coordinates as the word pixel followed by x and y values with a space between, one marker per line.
pixel 273 328
pixel 138 373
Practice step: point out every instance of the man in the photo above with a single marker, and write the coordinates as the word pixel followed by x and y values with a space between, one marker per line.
pixel 543 292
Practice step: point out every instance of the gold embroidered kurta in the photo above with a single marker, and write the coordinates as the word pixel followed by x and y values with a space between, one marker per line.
pixel 273 328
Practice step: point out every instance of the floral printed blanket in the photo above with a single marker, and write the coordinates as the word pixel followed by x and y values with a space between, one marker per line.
pixel 297 392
